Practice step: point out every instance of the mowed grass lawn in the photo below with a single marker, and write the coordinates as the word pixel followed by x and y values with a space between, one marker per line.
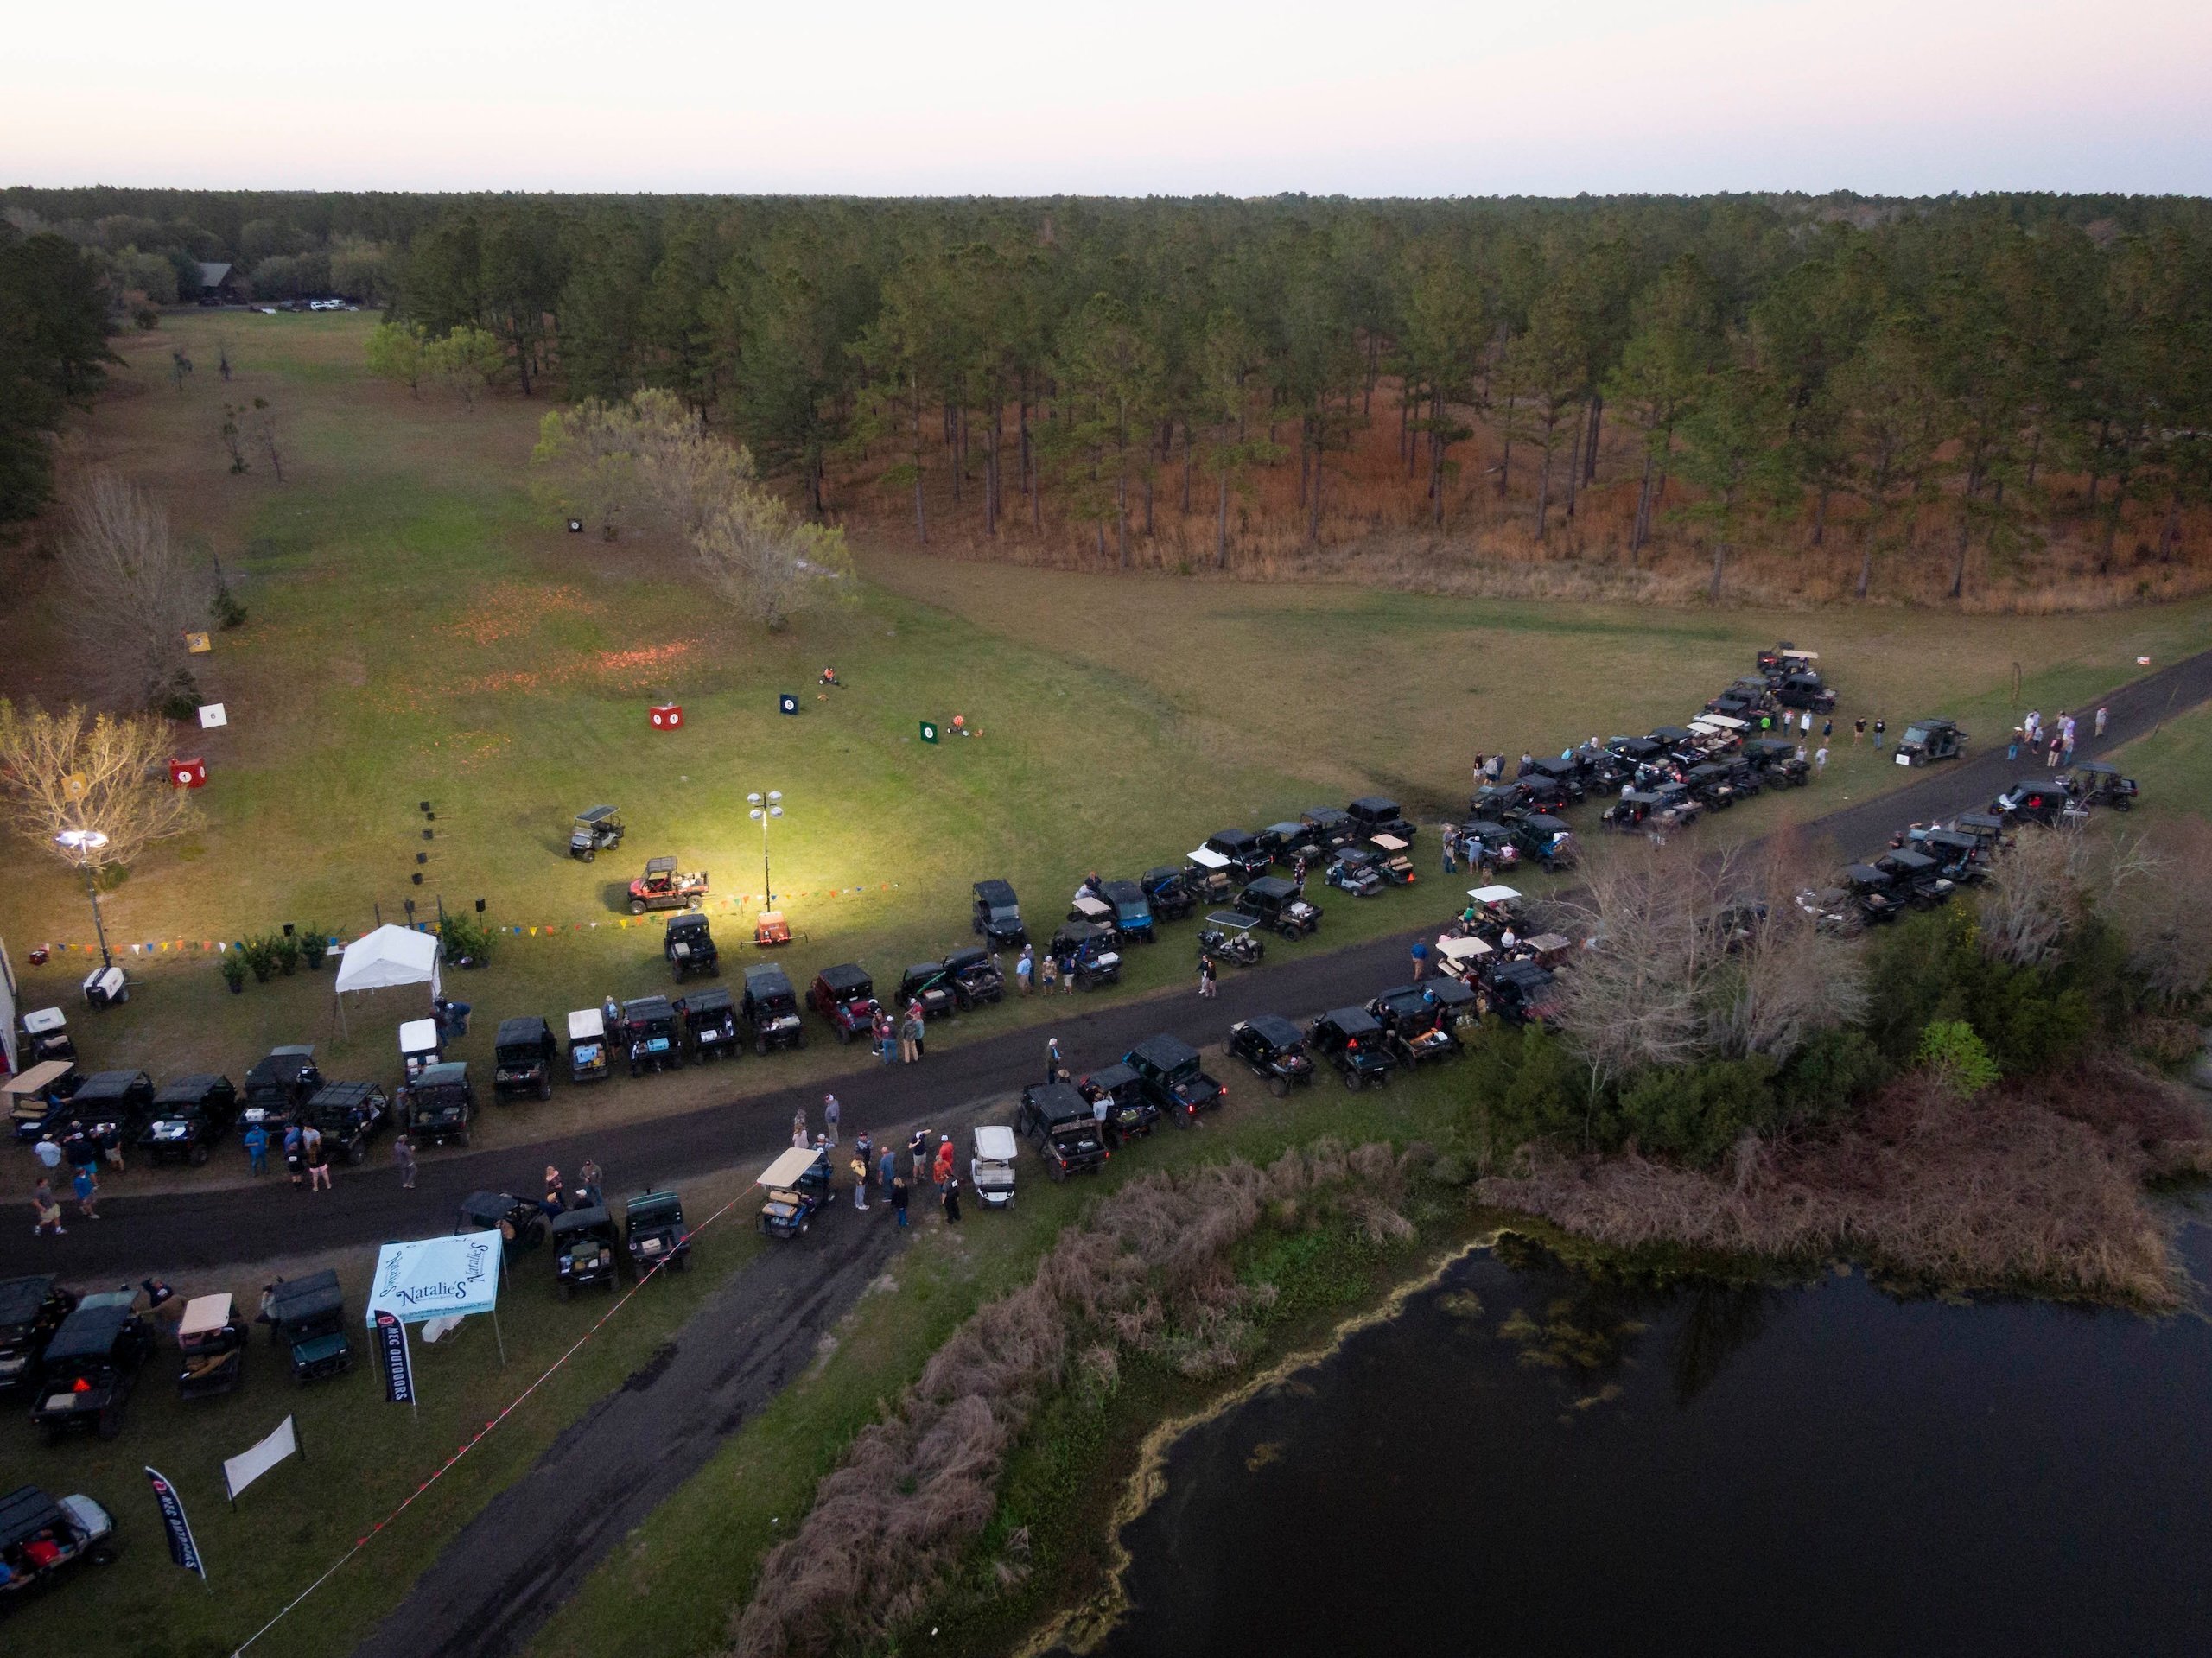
pixel 420 629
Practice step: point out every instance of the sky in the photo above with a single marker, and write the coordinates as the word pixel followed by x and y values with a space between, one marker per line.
pixel 1142 97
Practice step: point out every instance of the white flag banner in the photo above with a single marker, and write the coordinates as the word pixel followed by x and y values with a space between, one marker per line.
pixel 248 1465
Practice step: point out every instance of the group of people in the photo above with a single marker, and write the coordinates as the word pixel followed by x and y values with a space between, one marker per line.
pixel 83 1149
pixel 929 1162
pixel 589 1192
pixel 2056 740
pixel 1040 974
pixel 902 1038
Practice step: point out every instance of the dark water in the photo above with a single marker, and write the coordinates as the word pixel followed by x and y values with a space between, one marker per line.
pixel 1816 1470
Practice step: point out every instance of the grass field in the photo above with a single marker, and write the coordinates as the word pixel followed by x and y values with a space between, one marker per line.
pixel 419 631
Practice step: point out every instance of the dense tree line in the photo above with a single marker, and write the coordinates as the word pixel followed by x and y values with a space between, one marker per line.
pixel 53 353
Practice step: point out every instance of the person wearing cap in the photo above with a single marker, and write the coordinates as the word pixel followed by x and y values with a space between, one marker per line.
pixel 48 1152
pixel 556 1192
pixel 943 1172
pixel 830 1113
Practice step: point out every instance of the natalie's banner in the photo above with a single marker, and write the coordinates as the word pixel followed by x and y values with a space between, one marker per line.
pixel 398 1368
pixel 250 1465
pixel 182 1549
pixel 432 1277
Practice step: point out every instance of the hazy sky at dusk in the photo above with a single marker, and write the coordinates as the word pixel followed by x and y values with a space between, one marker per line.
pixel 992 95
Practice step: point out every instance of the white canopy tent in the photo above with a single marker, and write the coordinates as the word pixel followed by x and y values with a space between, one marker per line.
pixel 439 1278
pixel 389 957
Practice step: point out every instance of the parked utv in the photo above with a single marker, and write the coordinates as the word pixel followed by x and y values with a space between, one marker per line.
pixel 1711 785
pixel 1413 1027
pixel 348 1116
pixel 1330 829
pixel 654 1232
pixel 652 1036
pixel 770 1010
pixel 845 995
pixel 925 983
pixel 123 1097
pixel 522 1059
pixel 1174 1079
pixel 306 1316
pixel 1777 762
pixel 974 977
pixel 709 1018
pixel 1517 992
pixel 597 829
pixel 1168 892
pixel 211 1341
pixel 1130 1113
pixel 2098 782
pixel 1916 877
pixel 690 947
pixel 588 1045
pixel 278 1085
pixel 1276 904
pixel 1481 841
pixel 31 1309
pixel 2034 800
pixel 1805 690
pixel 441 1105
pixel 663 887
pixel 1925 740
pixel 1871 893
pixel 1548 840
pixel 1211 877
pixel 91 1366
pixel 584 1244
pixel 1131 912
pixel 1065 1129
pixel 1351 1039
pixel 1086 954
pixel 187 1119
pixel 1374 814
pixel 42 1540
pixel 519 1222
pixel 1242 849
pixel 1287 842
pixel 1565 777
pixel 1274 1050
pixel 998 916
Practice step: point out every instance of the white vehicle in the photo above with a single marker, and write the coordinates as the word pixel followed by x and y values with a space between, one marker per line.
pixel 990 1171
pixel 419 1045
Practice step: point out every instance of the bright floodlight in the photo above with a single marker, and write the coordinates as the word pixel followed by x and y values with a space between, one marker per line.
pixel 755 813
pixel 82 840
pixel 755 800
pixel 775 794
pixel 775 811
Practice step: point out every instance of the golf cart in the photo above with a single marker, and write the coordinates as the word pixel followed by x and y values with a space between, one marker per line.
pixel 1227 936
pixel 1785 657
pixel 1130 1113
pixel 90 1368
pixel 690 947
pixel 654 1232
pixel 997 915
pixel 845 995
pixel 1462 956
pixel 770 1009
pixel 1374 814
pixel 799 1185
pixel 652 1037
pixel 31 1309
pixel 348 1116
pixel 584 1244
pixel 1246 856
pixel 1494 912
pixel 1129 911
pixel 975 978
pixel 519 1222
pixel 1168 892
pixel 1355 869
pixel 46 1036
pixel 1274 902
pixel 1174 1079
pixel 40 1540
pixel 1930 740
pixel 663 887
pixel 106 987
pixel 279 1085
pixel 709 1018
pixel 522 1059
pixel 36 1098
pixel 2098 782
pixel 420 1045
pixel 1211 877
pixel 2034 800
pixel 1329 828
pixel 990 1167
pixel 187 1117
pixel 1086 954
pixel 1089 904
pixel 1413 1027
pixel 211 1341
pixel 1273 1049
pixel 1066 1129
pixel 925 983
pixel 588 1061
pixel 597 829
pixel 441 1104
pixel 1871 893
pixel 1392 862
pixel 1517 992
pixel 1352 1040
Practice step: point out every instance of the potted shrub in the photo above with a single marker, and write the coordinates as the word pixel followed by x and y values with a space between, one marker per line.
pixel 287 949
pixel 261 957
pixel 233 970
pixel 315 944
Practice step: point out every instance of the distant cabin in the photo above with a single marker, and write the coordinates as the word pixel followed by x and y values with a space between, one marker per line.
pixel 219 282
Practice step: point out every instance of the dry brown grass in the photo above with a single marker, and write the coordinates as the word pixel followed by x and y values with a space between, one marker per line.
pixel 1148 1272
pixel 2039 1187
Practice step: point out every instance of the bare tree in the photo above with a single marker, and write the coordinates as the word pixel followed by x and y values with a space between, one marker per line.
pixel 1781 979
pixel 2047 883
pixel 102 773
pixel 269 436
pixel 133 589
pixel 2169 920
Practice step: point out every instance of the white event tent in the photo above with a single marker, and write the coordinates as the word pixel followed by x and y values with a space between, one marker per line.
pixel 388 957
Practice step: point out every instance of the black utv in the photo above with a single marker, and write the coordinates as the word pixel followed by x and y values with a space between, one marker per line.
pixel 1330 828
pixel 1168 892
pixel 1414 1028
pixel 653 1230
pixel 348 1116
pixel 90 1368
pixel 519 1222
pixel 522 1059
pixel 187 1117
pixel 116 1097
pixel 1518 992
pixel 1130 1113
pixel 925 983
pixel 1274 1050
pixel 651 1035
pixel 2098 783
pixel 441 1104
pixel 998 916
pixel 1927 740
pixel 584 1243
pixel 1289 842
pixel 278 1085
pixel 690 947
pixel 31 1309
pixel 1174 1077
pixel 770 1010
pixel 1066 1129
pixel 74 1530
pixel 975 978
pixel 1277 905
pixel 1351 1039
pixel 1247 857
pixel 1374 814
pixel 1085 954
pixel 709 1018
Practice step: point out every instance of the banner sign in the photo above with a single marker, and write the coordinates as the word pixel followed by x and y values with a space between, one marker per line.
pixel 250 1465
pixel 432 1277
pixel 398 1369
pixel 183 1550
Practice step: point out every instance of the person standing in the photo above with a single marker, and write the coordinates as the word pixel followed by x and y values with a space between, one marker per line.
pixel 296 1162
pixel 942 1170
pixel 1206 972
pixel 2057 742
pixel 2101 713
pixel 918 1156
pixel 887 1038
pixel 46 1212
pixel 590 1179
pixel 87 1186
pixel 1827 729
pixel 886 1169
pixel 317 1151
pixel 832 1114
pixel 1858 731
pixel 1451 839
pixel 403 1156
pixel 1052 1060
pixel 1805 724
pixel 1880 726
pixel 110 1139
pixel 910 1038
pixel 898 1197
pixel 952 1201
pixel 556 1192
pixel 1421 959
pixel 48 1152
pixel 920 1022
pixel 799 1131
pixel 1820 762
pixel 864 1149
pixel 860 1182
pixel 1024 970
pixel 2012 748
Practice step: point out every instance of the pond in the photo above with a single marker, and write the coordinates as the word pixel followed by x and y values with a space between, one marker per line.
pixel 1527 1461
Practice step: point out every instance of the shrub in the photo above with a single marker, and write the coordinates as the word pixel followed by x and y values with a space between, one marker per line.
pixel 314 945
pixel 233 970
pixel 1830 1074
pixel 261 957
pixel 287 951
pixel 1956 1058
pixel 1697 1112
pixel 468 941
